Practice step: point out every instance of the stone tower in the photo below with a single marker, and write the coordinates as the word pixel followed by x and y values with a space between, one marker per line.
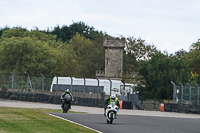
pixel 114 57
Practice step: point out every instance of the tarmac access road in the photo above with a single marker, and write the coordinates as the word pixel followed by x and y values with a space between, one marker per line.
pixel 134 123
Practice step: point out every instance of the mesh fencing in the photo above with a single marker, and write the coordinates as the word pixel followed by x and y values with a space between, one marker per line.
pixel 186 95
pixel 42 85
pixel 25 84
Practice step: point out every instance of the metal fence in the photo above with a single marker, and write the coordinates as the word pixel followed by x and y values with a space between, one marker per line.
pixel 42 85
pixel 185 94
pixel 29 84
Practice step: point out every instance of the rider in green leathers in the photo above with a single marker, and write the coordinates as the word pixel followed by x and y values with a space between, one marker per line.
pixel 67 92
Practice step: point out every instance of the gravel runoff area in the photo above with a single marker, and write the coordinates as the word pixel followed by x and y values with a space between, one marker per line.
pixel 94 110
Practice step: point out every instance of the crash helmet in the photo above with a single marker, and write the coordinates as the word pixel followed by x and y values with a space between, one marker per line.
pixel 113 96
pixel 67 91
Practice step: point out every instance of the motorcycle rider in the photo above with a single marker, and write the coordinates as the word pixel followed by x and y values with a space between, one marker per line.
pixel 112 98
pixel 67 92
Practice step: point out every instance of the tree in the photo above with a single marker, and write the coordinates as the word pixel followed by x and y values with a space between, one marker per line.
pixel 136 50
pixel 39 52
pixel 66 33
pixel 88 55
pixel 67 62
pixel 180 53
pixel 193 56
pixel 139 48
pixel 22 50
pixel 158 73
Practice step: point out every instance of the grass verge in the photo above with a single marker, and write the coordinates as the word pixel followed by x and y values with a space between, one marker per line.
pixel 23 120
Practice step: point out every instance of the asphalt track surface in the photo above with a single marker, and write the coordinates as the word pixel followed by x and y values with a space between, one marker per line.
pixel 133 121
pixel 135 124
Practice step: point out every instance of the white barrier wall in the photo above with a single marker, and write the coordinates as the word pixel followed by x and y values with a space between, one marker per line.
pixel 93 82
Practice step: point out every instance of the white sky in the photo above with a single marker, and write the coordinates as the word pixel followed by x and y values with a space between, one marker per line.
pixel 170 25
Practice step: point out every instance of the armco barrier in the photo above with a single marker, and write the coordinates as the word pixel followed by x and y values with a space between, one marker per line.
pixel 182 108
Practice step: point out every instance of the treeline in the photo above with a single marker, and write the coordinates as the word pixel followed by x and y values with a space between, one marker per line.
pixel 77 50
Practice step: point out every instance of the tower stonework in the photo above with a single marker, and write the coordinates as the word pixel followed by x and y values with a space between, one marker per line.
pixel 114 57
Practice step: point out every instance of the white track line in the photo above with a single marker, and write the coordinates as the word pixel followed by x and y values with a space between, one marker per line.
pixel 75 123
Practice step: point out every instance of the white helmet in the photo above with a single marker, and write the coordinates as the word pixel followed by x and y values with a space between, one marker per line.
pixel 113 96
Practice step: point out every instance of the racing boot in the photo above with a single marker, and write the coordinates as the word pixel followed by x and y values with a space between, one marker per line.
pixel 62 106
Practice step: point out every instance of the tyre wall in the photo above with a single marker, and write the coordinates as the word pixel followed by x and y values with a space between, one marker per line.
pixel 43 98
pixel 182 108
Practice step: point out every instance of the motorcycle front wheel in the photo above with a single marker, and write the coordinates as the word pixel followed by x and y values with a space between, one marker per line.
pixel 107 121
pixel 111 118
pixel 66 108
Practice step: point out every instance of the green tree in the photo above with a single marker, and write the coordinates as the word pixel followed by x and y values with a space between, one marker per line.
pixel 88 55
pixel 66 33
pixel 139 48
pixel 158 72
pixel 39 52
pixel 67 62
pixel 193 56
pixel 14 32
pixel 180 53
pixel 136 50
pixel 22 50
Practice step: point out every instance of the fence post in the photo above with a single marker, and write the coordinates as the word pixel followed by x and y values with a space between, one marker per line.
pixel 98 87
pixel 27 86
pixel 110 86
pixel 84 88
pixel 181 92
pixel 12 81
pixel 123 81
pixel 190 94
pixel 56 85
pixel 71 82
pixel 30 84
pixel 197 93
pixel 43 80
pixel 174 92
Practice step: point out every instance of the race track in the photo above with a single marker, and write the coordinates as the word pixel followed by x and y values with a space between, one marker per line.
pixel 135 124
pixel 129 121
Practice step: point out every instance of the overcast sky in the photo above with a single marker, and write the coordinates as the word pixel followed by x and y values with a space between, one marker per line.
pixel 170 25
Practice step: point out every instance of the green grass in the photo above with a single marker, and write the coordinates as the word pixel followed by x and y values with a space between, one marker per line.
pixel 23 120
